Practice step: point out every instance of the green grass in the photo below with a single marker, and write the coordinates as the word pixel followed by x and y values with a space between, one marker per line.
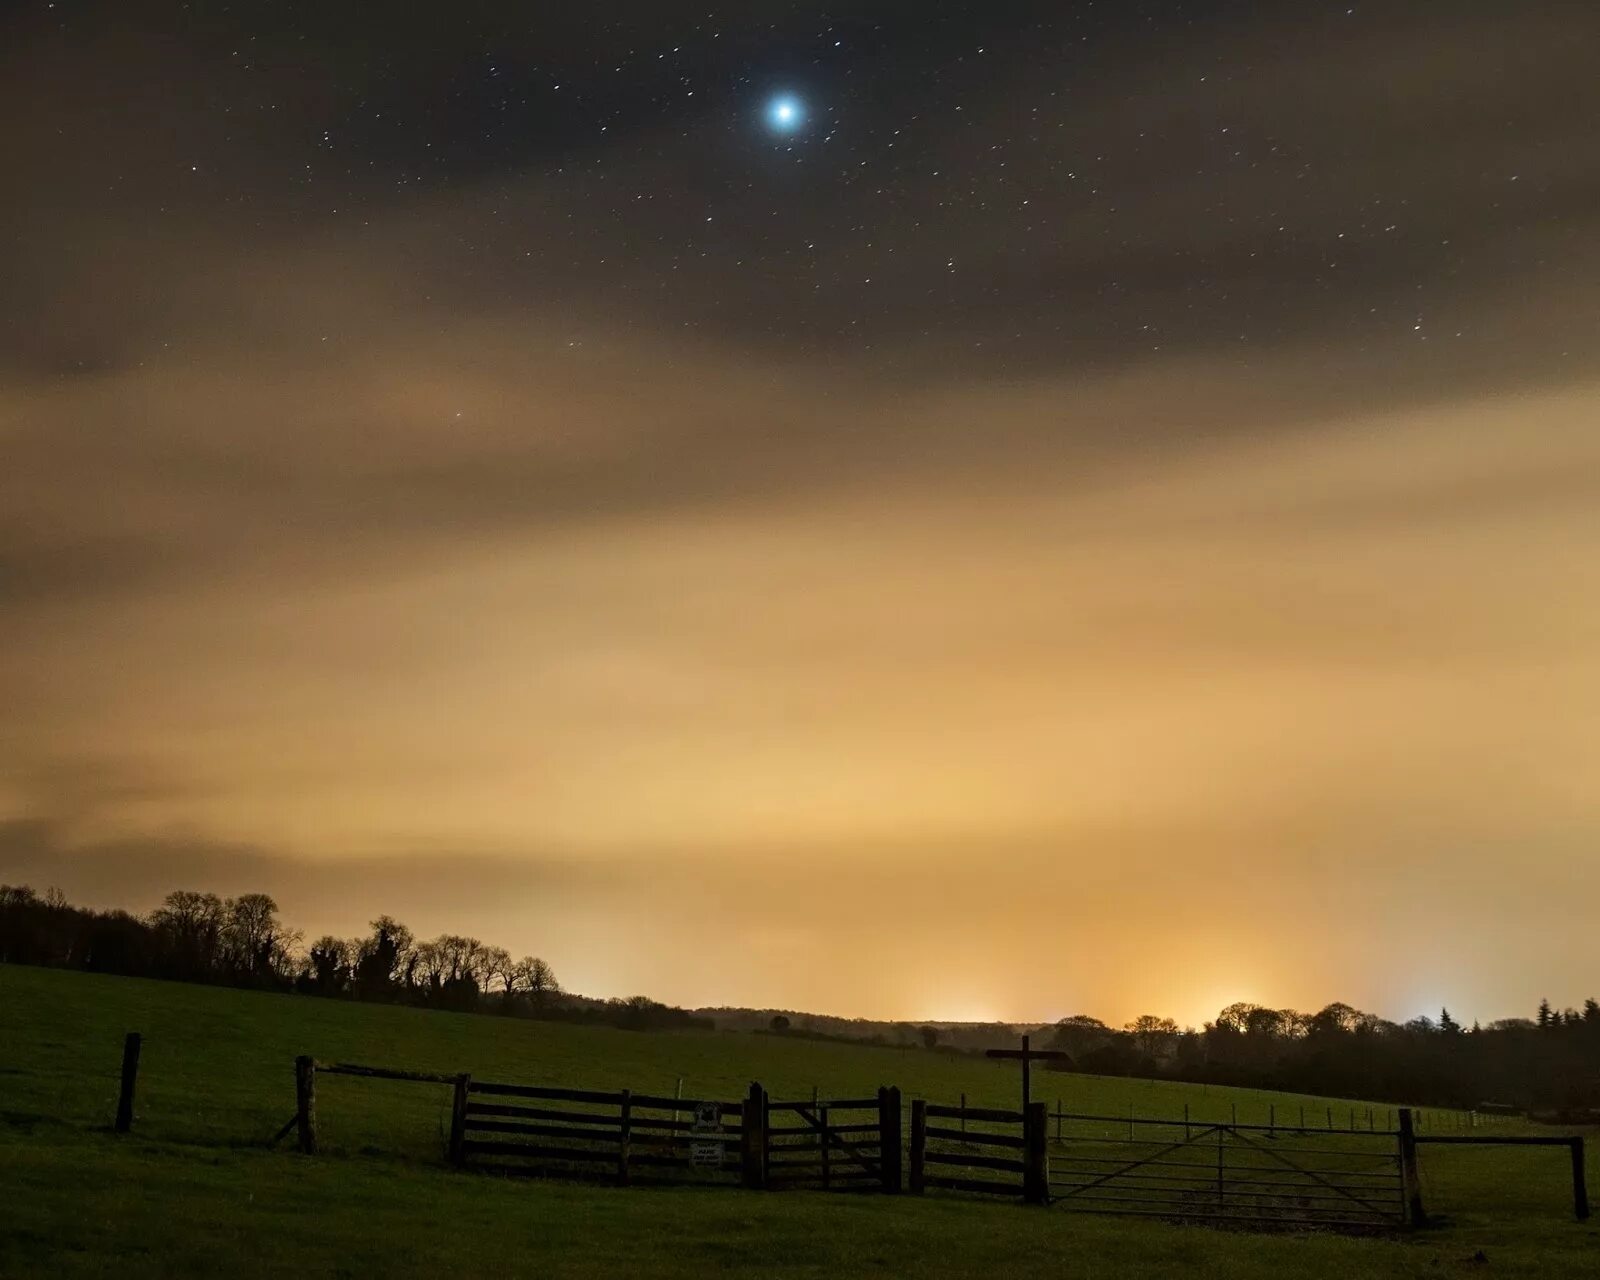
pixel 193 1191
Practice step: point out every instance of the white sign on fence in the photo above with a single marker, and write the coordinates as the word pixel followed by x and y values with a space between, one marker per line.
pixel 705 1155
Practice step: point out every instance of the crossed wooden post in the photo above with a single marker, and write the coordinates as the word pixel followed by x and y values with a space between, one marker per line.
pixel 1027 1055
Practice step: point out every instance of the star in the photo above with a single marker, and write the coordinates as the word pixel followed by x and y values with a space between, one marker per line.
pixel 785 113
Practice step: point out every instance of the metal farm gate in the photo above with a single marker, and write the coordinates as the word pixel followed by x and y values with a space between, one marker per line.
pixel 1255 1175
pixel 1181 1170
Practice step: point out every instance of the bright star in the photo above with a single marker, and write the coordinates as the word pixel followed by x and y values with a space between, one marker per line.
pixel 785 113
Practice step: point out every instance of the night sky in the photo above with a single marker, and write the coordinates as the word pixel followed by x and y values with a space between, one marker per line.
pixel 646 484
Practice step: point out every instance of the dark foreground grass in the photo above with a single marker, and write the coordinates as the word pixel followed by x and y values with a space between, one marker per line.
pixel 192 1192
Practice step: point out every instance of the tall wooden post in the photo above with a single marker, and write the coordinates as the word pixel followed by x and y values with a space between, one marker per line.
pixel 827 1147
pixel 753 1138
pixel 458 1120
pixel 1580 1190
pixel 624 1137
pixel 130 1077
pixel 1036 1154
pixel 919 1143
pixel 1408 1169
pixel 890 1151
pixel 305 1092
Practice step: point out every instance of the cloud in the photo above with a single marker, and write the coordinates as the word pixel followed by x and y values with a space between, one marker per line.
pixel 525 554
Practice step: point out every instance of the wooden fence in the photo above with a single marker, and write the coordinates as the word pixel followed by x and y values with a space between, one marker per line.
pixel 820 1150
pixel 1284 1175
pixel 620 1137
pixel 992 1152
pixel 625 1137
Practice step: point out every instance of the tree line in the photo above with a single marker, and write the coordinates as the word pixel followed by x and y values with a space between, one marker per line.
pixel 243 942
pixel 1549 1063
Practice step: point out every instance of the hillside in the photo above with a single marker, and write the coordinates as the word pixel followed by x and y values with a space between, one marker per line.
pixel 217 1082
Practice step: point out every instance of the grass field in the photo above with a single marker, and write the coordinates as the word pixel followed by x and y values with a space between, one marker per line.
pixel 194 1191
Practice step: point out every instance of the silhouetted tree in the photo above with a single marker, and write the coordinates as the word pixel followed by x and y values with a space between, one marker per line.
pixel 329 966
pixel 189 926
pixel 1153 1036
pixel 384 960
pixel 537 981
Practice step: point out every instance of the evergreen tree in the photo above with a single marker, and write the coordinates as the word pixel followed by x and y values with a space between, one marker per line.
pixel 1447 1024
pixel 1546 1018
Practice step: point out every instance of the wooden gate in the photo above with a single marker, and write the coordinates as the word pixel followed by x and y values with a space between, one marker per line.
pixel 979 1149
pixel 620 1137
pixel 841 1144
pixel 1230 1173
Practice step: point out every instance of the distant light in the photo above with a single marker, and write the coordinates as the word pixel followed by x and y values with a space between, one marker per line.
pixel 785 113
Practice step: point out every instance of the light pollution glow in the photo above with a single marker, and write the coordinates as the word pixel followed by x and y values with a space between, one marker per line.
pixel 867 678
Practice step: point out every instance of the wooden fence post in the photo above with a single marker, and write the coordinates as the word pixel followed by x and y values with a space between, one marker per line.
pixel 753 1138
pixel 822 1135
pixel 890 1152
pixel 305 1092
pixel 624 1137
pixel 458 1120
pixel 1408 1169
pixel 919 1142
pixel 1580 1190
pixel 130 1077
pixel 1035 1154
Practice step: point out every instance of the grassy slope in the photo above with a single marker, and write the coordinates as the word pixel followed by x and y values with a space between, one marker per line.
pixel 193 1187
